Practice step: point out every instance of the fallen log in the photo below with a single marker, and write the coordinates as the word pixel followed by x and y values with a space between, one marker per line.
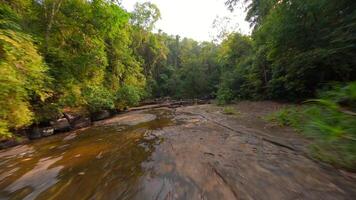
pixel 170 104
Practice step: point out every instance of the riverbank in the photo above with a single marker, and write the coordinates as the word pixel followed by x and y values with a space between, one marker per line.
pixel 71 121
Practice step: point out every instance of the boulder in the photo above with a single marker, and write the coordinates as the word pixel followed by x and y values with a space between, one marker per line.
pixel 104 114
pixel 129 119
pixel 47 131
pixel 61 125
pixel 37 132
pixel 81 123
pixel 12 142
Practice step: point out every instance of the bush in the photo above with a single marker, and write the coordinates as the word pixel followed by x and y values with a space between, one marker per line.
pixel 332 126
pixel 224 95
pixel 128 95
pixel 330 122
pixel 98 98
pixel 290 116
pixel 46 111
pixel 230 111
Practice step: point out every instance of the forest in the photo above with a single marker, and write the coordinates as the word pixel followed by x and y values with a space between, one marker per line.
pixel 278 118
pixel 93 55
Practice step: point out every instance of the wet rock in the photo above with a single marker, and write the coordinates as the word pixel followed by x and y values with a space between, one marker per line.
pixel 70 137
pixel 104 114
pixel 77 122
pixel 100 155
pixel 48 131
pixel 12 142
pixel 129 119
pixel 37 132
pixel 61 125
pixel 70 117
pixel 81 123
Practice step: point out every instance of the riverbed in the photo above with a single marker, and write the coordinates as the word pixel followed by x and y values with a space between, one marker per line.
pixel 191 152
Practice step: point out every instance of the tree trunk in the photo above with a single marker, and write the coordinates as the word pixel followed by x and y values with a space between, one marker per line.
pixel 50 13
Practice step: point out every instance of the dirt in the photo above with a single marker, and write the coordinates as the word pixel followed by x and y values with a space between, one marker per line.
pixel 194 152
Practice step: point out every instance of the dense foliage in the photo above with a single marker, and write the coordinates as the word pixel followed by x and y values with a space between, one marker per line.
pixel 190 70
pixel 23 73
pixel 59 54
pixel 298 47
pixel 92 55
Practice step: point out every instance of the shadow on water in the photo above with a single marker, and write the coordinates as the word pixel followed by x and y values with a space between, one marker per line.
pixel 102 162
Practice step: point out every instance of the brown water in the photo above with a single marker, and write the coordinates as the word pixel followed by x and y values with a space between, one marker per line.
pixel 101 162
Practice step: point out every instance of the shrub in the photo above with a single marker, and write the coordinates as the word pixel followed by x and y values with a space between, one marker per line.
pixel 230 111
pixel 128 95
pixel 224 95
pixel 290 116
pixel 98 98
pixel 332 126
pixel 329 122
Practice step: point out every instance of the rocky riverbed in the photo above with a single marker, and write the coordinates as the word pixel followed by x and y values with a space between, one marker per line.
pixel 193 152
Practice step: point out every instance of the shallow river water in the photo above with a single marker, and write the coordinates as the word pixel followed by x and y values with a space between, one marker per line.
pixel 101 162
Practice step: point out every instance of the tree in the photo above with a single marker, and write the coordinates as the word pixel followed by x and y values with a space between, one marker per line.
pixel 301 45
pixel 145 15
pixel 23 74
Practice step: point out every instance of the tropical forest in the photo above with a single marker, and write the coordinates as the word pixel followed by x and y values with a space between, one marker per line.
pixel 98 102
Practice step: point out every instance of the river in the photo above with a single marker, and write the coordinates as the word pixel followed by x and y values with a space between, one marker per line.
pixel 186 153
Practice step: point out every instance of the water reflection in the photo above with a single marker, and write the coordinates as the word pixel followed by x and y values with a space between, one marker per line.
pixel 37 180
pixel 102 162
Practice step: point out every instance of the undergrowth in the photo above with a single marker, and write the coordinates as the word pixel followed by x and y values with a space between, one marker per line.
pixel 230 111
pixel 330 122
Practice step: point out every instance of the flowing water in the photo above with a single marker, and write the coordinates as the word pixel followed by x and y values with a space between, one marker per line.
pixel 101 162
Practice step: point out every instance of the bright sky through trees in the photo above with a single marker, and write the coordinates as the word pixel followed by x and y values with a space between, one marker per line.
pixel 194 18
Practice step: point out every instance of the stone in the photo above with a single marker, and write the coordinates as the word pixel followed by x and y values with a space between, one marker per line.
pixel 61 125
pixel 48 131
pixel 10 143
pixel 37 132
pixel 104 114
pixel 129 119
pixel 81 123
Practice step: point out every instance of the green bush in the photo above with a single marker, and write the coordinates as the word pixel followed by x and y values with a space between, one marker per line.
pixel 332 125
pixel 224 95
pixel 290 116
pixel 128 95
pixel 230 111
pixel 98 98
pixel 330 122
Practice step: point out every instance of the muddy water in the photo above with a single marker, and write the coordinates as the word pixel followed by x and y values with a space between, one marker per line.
pixel 102 162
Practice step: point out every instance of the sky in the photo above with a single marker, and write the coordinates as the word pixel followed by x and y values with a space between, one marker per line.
pixel 194 18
